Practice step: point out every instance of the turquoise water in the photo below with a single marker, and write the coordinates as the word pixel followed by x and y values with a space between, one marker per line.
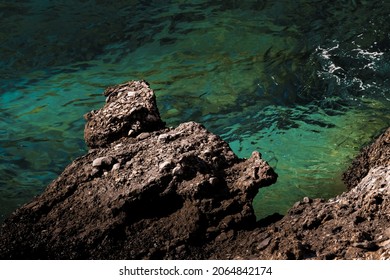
pixel 304 82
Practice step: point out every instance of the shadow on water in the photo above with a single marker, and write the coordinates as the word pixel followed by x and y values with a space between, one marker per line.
pixel 304 82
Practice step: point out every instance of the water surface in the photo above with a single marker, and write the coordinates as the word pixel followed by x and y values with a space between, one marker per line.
pixel 306 83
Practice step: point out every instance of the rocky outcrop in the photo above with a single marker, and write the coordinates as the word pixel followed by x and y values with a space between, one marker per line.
pixel 376 154
pixel 354 225
pixel 145 191
pixel 142 191
pixel 130 109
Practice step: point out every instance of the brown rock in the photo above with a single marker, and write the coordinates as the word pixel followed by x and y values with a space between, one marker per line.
pixel 181 193
pixel 177 190
pixel 377 154
pixel 130 109
pixel 354 225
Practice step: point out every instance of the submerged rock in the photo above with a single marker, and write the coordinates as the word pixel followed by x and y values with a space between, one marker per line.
pixel 154 193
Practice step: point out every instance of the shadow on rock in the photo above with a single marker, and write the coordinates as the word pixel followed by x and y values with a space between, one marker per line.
pixel 143 191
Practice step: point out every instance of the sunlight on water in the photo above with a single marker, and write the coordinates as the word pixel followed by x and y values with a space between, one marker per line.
pixel 306 83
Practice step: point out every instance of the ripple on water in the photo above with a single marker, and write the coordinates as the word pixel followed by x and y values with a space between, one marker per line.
pixel 304 82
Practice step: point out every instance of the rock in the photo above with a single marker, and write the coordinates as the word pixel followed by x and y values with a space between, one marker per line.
pixel 354 225
pixel 213 181
pixel 387 232
pixel 130 110
pixel 143 135
pixel 163 138
pixel 264 243
pixel 181 193
pixel 377 154
pixel 164 166
pixel 167 201
pixel 116 166
pixel 177 171
pixel 102 162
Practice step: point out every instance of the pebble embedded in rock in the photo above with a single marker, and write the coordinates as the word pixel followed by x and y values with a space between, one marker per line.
pixel 131 93
pixel 94 171
pixel 263 243
pixel 177 171
pixel 164 138
pixel 102 161
pixel 131 133
pixel 116 166
pixel 164 165
pixel 143 135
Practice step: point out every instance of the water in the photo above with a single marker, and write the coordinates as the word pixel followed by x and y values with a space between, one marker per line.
pixel 304 82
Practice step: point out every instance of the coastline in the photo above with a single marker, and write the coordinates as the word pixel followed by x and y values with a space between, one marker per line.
pixel 145 191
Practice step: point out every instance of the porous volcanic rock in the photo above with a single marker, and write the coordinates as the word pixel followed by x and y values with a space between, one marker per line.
pixel 143 191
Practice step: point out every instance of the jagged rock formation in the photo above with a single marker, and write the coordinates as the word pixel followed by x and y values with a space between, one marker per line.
pixel 376 154
pixel 354 225
pixel 145 191
pixel 142 191
pixel 130 109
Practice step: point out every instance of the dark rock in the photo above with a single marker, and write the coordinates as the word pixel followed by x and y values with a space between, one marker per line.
pixel 377 154
pixel 264 243
pixel 354 225
pixel 149 192
pixel 164 194
pixel 271 219
pixel 102 162
pixel 130 110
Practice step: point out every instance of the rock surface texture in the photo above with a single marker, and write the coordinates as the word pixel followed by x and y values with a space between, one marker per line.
pixel 354 225
pixel 377 154
pixel 145 191
pixel 130 110
pixel 142 191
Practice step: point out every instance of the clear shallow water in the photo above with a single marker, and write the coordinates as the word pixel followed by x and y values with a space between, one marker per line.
pixel 304 82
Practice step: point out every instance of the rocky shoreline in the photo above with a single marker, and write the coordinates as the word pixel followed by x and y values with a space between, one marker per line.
pixel 145 191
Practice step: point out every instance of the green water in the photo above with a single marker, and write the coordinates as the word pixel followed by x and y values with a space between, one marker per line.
pixel 306 83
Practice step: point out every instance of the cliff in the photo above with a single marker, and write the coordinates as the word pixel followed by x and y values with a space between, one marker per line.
pixel 145 191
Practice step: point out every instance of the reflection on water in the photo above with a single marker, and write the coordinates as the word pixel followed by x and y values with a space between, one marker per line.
pixel 304 82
